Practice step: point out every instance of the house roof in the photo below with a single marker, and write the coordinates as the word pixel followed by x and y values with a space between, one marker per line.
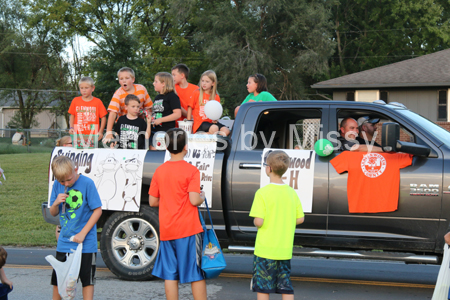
pixel 424 71
pixel 9 100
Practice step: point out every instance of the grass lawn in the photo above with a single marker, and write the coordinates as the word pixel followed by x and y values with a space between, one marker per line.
pixel 8 148
pixel 21 196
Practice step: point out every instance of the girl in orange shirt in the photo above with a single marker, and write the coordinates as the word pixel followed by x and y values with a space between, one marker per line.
pixel 196 107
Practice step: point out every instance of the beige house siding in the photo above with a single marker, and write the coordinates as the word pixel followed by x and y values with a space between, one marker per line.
pixel 44 118
pixel 423 102
pixel 340 96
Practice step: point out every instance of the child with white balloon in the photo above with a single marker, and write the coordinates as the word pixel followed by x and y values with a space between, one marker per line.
pixel 205 107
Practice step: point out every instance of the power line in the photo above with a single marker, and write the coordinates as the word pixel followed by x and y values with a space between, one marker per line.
pixel 393 29
pixel 32 53
pixel 36 90
pixel 353 57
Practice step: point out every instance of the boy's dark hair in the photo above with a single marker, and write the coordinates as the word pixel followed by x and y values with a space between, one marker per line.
pixel 182 68
pixel 131 97
pixel 278 161
pixel 3 256
pixel 261 82
pixel 176 139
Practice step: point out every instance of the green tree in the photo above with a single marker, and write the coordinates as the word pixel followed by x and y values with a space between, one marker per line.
pixel 148 36
pixel 287 41
pixel 371 33
pixel 29 59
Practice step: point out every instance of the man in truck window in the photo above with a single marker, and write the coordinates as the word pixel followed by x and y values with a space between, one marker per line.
pixel 367 130
pixel 349 132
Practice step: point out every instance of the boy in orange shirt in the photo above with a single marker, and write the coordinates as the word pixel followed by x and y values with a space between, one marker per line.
pixel 180 230
pixel 117 107
pixel 87 112
pixel 184 89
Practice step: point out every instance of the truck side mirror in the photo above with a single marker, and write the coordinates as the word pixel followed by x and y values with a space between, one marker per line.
pixel 390 135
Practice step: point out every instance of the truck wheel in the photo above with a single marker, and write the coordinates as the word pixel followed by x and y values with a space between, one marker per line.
pixel 129 243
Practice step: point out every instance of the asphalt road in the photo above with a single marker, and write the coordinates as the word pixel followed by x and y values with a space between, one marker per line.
pixel 312 279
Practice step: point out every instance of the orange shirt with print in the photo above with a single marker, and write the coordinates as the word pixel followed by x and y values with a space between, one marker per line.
pixel 117 103
pixel 373 179
pixel 87 113
pixel 198 111
pixel 185 96
pixel 178 218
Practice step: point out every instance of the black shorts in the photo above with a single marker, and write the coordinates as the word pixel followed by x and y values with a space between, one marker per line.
pixel 206 125
pixel 87 269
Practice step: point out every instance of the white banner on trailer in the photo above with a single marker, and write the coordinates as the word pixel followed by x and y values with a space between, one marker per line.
pixel 201 154
pixel 117 174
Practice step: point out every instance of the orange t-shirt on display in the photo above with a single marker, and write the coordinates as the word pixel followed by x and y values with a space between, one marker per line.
pixel 117 103
pixel 185 96
pixel 198 111
pixel 373 179
pixel 87 113
pixel 178 218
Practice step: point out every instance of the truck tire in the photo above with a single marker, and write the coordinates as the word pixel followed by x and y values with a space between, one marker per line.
pixel 129 243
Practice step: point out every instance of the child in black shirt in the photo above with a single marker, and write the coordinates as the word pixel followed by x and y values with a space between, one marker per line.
pixel 166 106
pixel 132 130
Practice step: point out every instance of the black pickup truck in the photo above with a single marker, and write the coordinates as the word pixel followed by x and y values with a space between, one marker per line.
pixel 413 233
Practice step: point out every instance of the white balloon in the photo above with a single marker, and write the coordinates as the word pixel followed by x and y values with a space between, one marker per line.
pixel 213 110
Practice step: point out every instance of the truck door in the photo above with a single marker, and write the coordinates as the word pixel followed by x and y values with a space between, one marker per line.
pixel 414 225
pixel 268 127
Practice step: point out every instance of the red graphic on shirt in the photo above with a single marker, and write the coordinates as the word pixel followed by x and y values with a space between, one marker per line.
pixel 373 165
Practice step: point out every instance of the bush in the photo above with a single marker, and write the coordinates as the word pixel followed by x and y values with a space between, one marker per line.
pixel 48 143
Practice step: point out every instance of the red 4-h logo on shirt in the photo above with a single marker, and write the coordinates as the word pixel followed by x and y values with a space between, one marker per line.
pixel 373 165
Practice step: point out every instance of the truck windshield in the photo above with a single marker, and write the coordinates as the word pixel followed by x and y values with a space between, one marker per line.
pixel 436 131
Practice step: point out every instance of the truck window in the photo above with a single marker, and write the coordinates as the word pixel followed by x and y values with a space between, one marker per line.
pixel 405 135
pixel 438 132
pixel 287 129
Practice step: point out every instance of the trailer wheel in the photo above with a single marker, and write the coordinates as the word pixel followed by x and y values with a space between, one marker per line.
pixel 129 243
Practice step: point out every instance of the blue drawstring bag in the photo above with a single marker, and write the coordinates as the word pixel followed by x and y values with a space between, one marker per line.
pixel 213 261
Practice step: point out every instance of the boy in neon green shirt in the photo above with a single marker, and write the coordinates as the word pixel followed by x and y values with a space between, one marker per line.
pixel 277 210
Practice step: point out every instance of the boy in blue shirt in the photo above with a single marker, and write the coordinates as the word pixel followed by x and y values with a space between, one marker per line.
pixel 76 199
pixel 277 210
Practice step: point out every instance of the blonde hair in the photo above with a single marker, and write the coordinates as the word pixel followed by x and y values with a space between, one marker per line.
pixel 64 140
pixel 167 79
pixel 62 166
pixel 87 80
pixel 126 69
pixel 279 162
pixel 213 77
pixel 3 256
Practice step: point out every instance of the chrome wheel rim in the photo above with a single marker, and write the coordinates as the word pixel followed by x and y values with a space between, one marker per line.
pixel 135 243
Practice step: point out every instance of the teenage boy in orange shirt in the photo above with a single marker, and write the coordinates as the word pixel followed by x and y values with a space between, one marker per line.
pixel 117 107
pixel 184 89
pixel 87 112
pixel 180 230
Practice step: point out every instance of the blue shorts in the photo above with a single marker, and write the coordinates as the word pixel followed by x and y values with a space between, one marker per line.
pixel 180 259
pixel 4 291
pixel 271 276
